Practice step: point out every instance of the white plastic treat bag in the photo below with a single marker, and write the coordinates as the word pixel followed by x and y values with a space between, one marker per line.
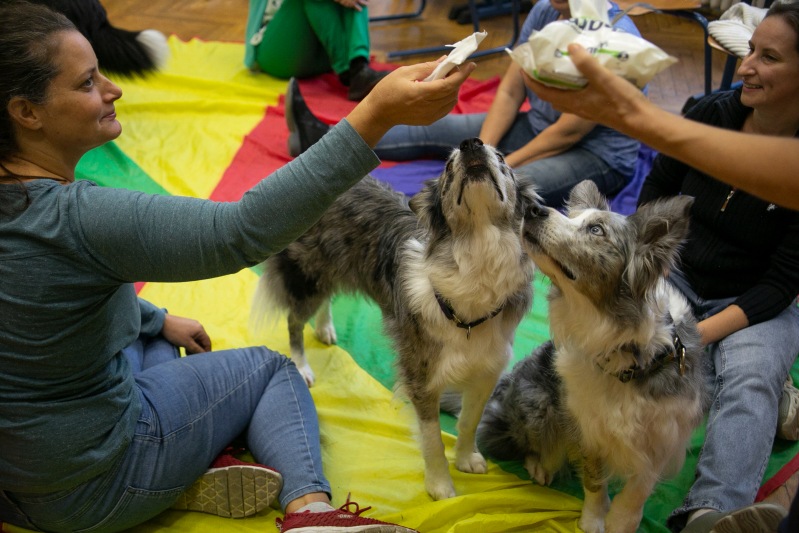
pixel 545 57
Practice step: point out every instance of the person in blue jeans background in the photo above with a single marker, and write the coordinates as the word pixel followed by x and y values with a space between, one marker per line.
pixel 739 270
pixel 93 437
pixel 556 151
pixel 763 165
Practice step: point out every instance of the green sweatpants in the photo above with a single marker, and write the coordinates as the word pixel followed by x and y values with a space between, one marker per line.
pixel 310 37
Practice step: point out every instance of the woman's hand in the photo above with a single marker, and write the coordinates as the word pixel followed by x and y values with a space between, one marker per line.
pixel 186 333
pixel 608 98
pixel 402 98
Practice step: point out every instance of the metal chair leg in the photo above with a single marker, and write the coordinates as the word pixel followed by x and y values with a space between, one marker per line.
pixel 476 23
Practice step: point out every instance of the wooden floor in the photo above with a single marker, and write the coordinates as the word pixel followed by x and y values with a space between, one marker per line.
pixel 225 20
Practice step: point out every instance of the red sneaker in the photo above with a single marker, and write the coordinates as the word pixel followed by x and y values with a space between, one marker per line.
pixel 341 519
pixel 232 489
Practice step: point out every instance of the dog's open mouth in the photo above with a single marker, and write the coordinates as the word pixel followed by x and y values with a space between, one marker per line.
pixel 477 171
pixel 535 247
pixel 560 266
pixel 563 268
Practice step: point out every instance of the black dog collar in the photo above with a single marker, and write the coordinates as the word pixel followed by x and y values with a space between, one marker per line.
pixel 449 312
pixel 675 352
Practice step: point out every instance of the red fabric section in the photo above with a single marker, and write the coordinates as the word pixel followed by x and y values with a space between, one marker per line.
pixel 263 151
pixel 778 479
pixel 265 148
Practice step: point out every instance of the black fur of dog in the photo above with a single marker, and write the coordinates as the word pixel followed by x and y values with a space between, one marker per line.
pixel 122 52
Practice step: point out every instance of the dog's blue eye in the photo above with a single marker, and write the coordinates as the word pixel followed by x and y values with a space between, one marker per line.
pixel 597 230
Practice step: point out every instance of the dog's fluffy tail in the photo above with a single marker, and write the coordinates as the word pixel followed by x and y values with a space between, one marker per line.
pixel 523 415
pixel 129 53
pixel 123 52
pixel 494 434
pixel 270 300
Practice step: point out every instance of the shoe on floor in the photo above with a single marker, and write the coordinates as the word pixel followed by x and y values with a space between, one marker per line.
pixel 755 518
pixel 232 489
pixel 338 520
pixel 363 81
pixel 788 418
pixel 304 128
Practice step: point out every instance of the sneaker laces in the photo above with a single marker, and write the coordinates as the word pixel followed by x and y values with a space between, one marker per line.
pixel 346 507
pixel 343 509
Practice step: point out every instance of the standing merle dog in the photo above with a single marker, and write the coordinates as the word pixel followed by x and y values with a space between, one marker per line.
pixel 449 273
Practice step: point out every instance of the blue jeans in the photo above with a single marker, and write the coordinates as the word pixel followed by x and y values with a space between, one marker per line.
pixel 750 367
pixel 553 176
pixel 192 408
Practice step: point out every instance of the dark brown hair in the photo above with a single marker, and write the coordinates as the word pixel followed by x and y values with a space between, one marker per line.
pixel 27 48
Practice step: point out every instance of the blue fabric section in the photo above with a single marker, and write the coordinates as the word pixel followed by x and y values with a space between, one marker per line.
pixel 409 177
pixel 626 200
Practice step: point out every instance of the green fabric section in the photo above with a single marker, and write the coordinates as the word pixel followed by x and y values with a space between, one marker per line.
pixel 108 166
pixel 359 329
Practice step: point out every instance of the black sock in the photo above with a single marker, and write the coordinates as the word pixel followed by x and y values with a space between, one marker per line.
pixel 344 78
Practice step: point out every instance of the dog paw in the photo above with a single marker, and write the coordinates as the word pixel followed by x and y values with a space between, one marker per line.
pixel 472 463
pixel 537 472
pixel 440 489
pixel 326 333
pixel 307 374
pixel 591 525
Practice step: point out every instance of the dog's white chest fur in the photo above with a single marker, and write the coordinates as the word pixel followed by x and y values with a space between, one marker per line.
pixel 630 430
pixel 485 270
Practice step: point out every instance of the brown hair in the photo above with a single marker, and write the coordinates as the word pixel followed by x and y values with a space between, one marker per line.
pixel 27 46
pixel 26 50
pixel 790 14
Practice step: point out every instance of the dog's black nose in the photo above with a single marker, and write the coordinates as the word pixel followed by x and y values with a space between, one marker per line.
pixel 471 145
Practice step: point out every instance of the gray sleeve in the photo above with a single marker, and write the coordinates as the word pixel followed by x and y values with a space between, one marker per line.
pixel 133 236
pixel 152 318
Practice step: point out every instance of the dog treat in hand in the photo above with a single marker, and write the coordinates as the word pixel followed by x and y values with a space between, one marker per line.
pixel 545 57
pixel 460 52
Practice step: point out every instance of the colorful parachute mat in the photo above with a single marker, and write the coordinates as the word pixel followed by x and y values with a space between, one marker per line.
pixel 207 127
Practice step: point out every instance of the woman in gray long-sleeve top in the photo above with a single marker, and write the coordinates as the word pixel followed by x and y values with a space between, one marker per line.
pixel 92 437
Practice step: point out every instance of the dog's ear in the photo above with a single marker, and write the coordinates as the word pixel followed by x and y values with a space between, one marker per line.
pixel 661 227
pixel 586 195
pixel 527 198
pixel 426 205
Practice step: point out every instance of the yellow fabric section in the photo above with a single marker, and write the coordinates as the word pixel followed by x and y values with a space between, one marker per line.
pixel 184 124
pixel 368 437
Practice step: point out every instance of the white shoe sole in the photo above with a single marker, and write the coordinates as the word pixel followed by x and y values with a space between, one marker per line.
pixel 232 492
